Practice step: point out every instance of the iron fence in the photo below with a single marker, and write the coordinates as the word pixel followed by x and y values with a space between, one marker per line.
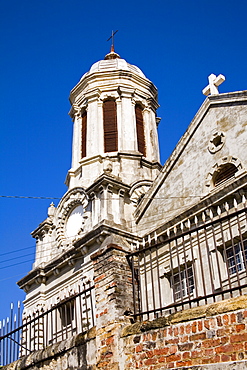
pixel 74 315
pixel 198 261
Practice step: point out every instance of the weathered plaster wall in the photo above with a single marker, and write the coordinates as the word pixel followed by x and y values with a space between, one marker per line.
pixel 185 178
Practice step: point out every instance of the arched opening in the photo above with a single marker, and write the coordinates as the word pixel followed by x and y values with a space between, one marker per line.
pixel 226 172
pixel 110 126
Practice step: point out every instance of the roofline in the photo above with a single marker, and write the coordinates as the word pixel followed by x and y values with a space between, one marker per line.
pixel 233 98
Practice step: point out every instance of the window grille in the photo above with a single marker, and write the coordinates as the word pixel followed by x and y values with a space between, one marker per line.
pixel 183 283
pixel 225 173
pixel 236 257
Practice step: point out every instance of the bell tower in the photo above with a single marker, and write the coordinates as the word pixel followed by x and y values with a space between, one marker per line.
pixel 115 158
pixel 115 125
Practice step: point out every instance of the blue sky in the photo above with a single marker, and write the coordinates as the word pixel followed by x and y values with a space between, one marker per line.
pixel 46 46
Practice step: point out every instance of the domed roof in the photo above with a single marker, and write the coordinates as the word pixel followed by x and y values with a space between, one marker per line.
pixel 113 62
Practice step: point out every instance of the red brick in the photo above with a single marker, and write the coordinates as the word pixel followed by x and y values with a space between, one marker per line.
pixel 240 327
pixel 225 358
pixel 184 363
pixel 224 340
pixel 199 336
pixel 186 356
pixel 173 358
pixel 225 319
pixel 238 338
pixel 233 357
pixel 161 351
pixel 194 327
pixel 154 336
pixel 161 359
pixel 181 330
pixel 245 314
pixel 232 318
pixel 219 321
pixel 210 343
pixel 173 349
pixel 150 361
pixel 184 339
pixel 150 354
pixel 139 348
pixel 200 325
pixel 175 331
pixel 170 365
pixel 206 324
pixel 188 329
pixel 185 346
pixel 228 348
pixel 196 354
pixel 209 352
pixel 213 323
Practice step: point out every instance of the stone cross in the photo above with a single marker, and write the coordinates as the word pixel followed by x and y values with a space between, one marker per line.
pixel 214 82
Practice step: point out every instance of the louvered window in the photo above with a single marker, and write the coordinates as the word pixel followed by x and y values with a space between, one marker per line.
pixel 226 172
pixel 84 135
pixel 140 130
pixel 110 126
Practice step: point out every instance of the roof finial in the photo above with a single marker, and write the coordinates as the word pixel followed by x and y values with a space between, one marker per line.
pixel 112 54
pixel 112 42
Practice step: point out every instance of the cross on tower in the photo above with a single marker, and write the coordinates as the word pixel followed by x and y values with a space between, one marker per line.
pixel 214 82
pixel 112 37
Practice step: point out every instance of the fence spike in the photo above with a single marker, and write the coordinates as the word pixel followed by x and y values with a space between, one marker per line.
pixel 203 217
pixel 182 226
pixel 235 203
pixel 211 215
pixel 243 199
pixel 218 210
pixel 168 232
pixel 227 206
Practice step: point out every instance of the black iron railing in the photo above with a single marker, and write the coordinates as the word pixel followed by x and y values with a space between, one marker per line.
pixel 200 260
pixel 38 330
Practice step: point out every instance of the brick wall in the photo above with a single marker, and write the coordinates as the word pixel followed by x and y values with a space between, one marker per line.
pixel 205 335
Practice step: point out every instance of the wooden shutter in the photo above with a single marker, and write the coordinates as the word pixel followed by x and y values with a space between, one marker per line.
pixel 140 130
pixel 84 135
pixel 110 126
pixel 227 171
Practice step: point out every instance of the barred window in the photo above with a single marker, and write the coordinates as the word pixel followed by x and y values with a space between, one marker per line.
pixel 183 282
pixel 236 257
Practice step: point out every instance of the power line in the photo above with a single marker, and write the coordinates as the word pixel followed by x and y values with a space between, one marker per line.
pixel 26 197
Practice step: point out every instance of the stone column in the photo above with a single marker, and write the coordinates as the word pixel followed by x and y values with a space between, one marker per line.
pixel 76 137
pixel 113 295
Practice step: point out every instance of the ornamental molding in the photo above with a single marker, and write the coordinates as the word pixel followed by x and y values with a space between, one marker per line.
pixel 73 198
pixel 218 166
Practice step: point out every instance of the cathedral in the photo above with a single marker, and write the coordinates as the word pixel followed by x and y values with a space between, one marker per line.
pixel 142 265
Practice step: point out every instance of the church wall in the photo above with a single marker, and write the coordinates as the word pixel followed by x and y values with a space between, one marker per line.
pixel 187 175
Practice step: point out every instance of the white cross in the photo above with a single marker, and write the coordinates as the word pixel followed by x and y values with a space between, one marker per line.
pixel 214 82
